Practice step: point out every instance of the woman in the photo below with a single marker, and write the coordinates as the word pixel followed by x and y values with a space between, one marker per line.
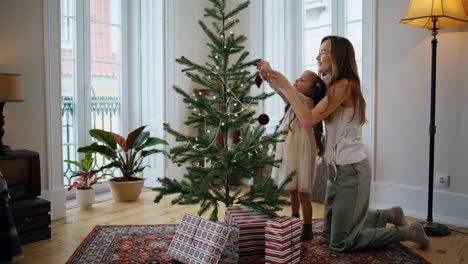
pixel 346 218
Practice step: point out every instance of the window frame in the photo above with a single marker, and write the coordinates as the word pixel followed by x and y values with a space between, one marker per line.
pixel 82 78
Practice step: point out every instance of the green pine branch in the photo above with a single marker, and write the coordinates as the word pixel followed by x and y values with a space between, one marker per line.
pixel 231 24
pixel 212 12
pixel 236 10
pixel 214 38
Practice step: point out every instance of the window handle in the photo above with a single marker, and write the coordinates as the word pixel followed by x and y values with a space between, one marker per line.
pixel 90 87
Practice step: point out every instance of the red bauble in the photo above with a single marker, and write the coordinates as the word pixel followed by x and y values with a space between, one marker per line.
pixel 263 119
pixel 258 81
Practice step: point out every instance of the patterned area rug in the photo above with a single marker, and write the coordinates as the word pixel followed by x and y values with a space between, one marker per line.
pixel 112 244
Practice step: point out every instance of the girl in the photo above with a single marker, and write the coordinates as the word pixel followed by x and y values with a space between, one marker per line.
pixel 299 149
pixel 346 218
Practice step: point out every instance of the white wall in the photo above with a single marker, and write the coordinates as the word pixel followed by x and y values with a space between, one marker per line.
pixel 402 115
pixel 251 26
pixel 185 38
pixel 22 51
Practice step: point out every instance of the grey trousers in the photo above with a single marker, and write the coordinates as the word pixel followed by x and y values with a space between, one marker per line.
pixel 347 219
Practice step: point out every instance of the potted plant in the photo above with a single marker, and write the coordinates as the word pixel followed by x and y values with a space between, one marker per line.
pixel 86 178
pixel 127 156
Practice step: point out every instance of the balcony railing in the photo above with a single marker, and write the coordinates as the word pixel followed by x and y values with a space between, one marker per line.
pixel 104 115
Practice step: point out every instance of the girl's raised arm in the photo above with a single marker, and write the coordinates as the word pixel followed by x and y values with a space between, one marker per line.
pixel 265 70
pixel 341 91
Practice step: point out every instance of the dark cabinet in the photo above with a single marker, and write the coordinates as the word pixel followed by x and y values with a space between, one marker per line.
pixel 32 219
pixel 21 169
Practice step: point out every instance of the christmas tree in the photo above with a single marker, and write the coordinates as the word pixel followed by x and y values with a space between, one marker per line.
pixel 229 145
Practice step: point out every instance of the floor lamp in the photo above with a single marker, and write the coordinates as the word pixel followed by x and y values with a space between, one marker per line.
pixel 434 15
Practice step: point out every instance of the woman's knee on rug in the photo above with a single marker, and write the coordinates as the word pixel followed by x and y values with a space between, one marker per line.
pixel 342 233
pixel 341 242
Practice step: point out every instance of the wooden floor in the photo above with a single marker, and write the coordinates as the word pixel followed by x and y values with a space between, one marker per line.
pixel 67 233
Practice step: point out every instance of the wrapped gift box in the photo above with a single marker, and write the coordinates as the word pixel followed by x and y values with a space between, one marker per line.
pixel 198 241
pixel 283 240
pixel 251 225
pixel 230 253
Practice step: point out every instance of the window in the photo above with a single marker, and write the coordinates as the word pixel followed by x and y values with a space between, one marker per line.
pixel 317 24
pixel 329 17
pixel 92 67
pixel 66 24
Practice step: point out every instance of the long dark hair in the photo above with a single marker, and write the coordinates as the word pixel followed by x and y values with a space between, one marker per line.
pixel 319 90
pixel 344 67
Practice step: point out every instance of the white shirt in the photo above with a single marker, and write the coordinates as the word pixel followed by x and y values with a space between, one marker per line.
pixel 343 138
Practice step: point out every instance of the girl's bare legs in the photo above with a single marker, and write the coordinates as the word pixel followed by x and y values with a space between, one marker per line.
pixel 294 203
pixel 307 233
pixel 300 199
pixel 306 208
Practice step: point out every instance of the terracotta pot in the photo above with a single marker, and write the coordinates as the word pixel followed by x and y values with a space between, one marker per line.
pixel 85 198
pixel 126 191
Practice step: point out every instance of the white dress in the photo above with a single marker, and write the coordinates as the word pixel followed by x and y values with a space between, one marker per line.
pixel 298 152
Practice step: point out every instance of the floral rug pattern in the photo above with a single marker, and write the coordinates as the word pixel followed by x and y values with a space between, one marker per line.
pixel 147 244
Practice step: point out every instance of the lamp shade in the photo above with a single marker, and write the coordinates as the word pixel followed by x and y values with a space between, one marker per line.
pixel 446 13
pixel 10 88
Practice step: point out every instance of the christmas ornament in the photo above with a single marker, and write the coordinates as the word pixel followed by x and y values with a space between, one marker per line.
pixel 258 81
pixel 263 119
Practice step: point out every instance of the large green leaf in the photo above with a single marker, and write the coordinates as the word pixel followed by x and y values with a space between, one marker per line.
pixel 104 137
pixel 88 156
pixel 152 141
pixel 154 151
pixel 140 140
pixel 139 169
pixel 114 164
pixel 86 163
pixel 76 163
pixel 133 136
pixel 95 147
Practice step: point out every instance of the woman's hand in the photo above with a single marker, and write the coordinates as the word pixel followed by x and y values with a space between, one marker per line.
pixel 278 79
pixel 264 68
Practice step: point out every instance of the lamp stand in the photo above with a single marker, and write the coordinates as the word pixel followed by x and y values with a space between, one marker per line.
pixel 431 228
pixel 3 148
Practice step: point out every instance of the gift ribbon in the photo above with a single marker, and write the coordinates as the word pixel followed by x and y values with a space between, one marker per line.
pixel 291 237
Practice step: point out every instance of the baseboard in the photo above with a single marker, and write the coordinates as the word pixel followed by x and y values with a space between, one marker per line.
pixel 447 206
pixel 57 202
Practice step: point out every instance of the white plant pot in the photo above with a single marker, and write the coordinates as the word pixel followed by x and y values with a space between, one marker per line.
pixel 85 198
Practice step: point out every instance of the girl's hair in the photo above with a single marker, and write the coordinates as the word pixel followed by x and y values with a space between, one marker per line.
pixel 343 66
pixel 319 90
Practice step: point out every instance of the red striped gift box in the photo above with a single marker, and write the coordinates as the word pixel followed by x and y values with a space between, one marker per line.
pixel 252 229
pixel 283 240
